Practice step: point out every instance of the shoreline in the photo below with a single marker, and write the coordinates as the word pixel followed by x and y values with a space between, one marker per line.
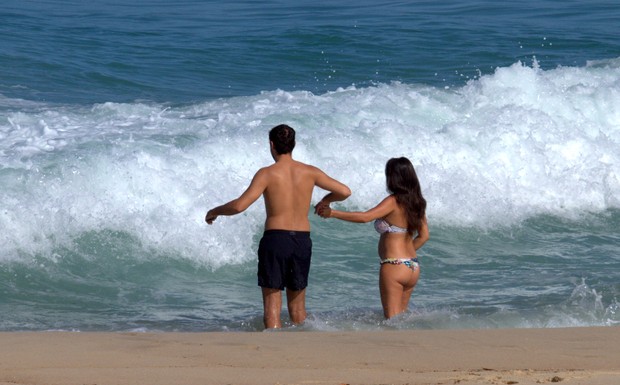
pixel 581 355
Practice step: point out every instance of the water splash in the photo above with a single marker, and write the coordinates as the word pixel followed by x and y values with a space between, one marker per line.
pixel 518 143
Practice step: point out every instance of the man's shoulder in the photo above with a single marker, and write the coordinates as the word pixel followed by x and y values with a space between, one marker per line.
pixel 296 166
pixel 263 173
pixel 308 168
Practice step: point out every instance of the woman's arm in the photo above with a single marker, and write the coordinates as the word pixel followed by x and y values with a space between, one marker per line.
pixel 423 234
pixel 384 208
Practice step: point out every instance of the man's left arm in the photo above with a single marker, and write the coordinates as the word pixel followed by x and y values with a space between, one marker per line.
pixel 338 191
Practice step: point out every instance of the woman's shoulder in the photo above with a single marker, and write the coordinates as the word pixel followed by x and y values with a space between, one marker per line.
pixel 389 201
pixel 391 198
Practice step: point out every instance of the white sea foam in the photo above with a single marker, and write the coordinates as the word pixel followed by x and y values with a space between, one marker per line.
pixel 505 147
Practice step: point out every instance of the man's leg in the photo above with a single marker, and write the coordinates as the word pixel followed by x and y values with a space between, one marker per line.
pixel 296 302
pixel 272 307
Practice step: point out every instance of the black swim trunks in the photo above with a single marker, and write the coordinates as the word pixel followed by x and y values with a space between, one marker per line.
pixel 284 259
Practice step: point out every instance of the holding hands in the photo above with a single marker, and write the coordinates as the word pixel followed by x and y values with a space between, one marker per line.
pixel 322 209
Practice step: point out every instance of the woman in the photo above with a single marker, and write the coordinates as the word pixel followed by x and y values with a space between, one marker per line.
pixel 398 217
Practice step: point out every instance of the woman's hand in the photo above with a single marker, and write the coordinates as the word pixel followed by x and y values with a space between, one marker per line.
pixel 322 209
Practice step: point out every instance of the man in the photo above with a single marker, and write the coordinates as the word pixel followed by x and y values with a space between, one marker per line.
pixel 285 250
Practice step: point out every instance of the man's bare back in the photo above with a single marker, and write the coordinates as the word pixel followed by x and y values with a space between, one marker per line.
pixel 287 188
pixel 288 192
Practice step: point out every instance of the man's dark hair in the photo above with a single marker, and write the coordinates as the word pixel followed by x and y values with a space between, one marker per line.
pixel 283 138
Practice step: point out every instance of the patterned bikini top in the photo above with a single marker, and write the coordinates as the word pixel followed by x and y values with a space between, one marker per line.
pixel 382 226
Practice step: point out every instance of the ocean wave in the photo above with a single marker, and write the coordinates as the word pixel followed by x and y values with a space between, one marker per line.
pixel 505 147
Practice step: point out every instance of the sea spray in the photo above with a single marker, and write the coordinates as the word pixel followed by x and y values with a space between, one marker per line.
pixel 508 146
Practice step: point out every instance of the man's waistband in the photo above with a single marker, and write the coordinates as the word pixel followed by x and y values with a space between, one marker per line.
pixel 292 233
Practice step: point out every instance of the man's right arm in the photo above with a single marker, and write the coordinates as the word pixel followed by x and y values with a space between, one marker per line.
pixel 249 196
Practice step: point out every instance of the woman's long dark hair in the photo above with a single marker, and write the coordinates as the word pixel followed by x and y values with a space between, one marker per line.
pixel 402 181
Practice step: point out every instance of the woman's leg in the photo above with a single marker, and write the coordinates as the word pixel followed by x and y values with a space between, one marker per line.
pixel 396 283
pixel 404 301
pixel 409 286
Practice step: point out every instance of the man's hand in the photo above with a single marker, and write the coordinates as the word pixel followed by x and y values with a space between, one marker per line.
pixel 322 209
pixel 210 217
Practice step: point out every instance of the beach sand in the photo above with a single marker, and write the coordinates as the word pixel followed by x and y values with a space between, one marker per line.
pixel 497 356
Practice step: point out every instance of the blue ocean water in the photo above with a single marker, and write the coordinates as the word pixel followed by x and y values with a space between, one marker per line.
pixel 121 124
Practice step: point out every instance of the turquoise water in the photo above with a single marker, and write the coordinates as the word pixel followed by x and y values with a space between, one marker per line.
pixel 120 125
